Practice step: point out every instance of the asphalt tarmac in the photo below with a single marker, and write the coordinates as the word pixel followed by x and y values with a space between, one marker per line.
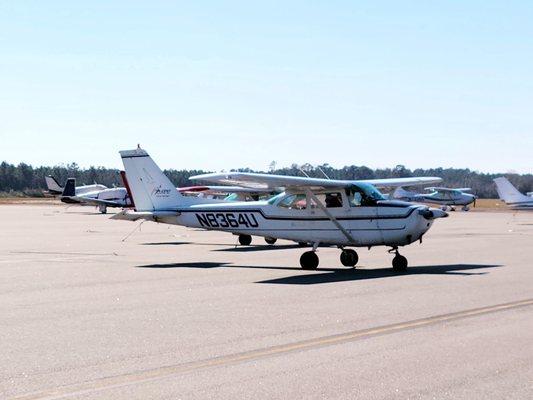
pixel 92 308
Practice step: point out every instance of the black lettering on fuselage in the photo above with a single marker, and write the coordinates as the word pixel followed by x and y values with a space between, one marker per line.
pixel 227 220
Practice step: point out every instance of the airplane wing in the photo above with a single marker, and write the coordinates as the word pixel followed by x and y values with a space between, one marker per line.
pixel 267 181
pixel 443 189
pixel 222 189
pixel 395 182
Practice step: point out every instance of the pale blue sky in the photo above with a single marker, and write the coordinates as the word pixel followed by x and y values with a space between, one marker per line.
pixel 227 84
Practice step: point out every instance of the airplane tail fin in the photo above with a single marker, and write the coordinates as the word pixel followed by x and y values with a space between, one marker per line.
pixel 401 193
pixel 151 189
pixel 53 186
pixel 508 192
pixel 70 188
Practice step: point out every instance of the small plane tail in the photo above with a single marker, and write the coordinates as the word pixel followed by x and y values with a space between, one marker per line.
pixel 70 188
pixel 401 193
pixel 508 193
pixel 53 186
pixel 150 188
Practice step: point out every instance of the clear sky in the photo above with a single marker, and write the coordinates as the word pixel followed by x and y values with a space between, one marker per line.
pixel 227 84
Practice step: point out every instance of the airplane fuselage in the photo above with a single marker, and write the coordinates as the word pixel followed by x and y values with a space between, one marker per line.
pixel 390 223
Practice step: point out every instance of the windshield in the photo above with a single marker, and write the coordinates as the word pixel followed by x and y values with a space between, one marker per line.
pixel 364 194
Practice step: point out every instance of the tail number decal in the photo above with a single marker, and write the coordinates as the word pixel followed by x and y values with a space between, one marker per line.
pixel 227 220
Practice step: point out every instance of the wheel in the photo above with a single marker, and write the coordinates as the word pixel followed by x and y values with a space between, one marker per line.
pixel 270 240
pixel 102 208
pixel 466 208
pixel 349 258
pixel 399 263
pixel 452 208
pixel 444 208
pixel 245 240
pixel 309 260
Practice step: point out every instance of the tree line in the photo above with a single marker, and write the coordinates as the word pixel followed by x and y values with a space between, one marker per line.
pixel 26 180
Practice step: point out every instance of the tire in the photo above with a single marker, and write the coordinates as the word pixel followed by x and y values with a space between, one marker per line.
pixel 309 260
pixel 270 240
pixel 349 258
pixel 399 263
pixel 245 240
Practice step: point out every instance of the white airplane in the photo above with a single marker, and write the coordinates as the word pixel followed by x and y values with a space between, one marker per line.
pixel 511 196
pixel 119 197
pixel 317 211
pixel 446 197
pixel 102 198
pixel 56 189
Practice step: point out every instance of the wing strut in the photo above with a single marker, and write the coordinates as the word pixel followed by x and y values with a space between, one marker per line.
pixel 330 216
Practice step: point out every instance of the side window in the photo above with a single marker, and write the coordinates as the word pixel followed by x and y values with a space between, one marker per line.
pixel 333 200
pixel 294 201
pixel 355 199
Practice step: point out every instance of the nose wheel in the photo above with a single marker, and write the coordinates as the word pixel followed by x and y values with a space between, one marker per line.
pixel 349 258
pixel 399 262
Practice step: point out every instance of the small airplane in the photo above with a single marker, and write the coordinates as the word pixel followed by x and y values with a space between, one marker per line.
pixel 446 197
pixel 55 188
pixel 310 210
pixel 511 196
pixel 120 197
pixel 102 198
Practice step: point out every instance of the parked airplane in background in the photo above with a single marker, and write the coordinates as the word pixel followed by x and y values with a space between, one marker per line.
pixel 102 198
pixel 446 197
pixel 511 196
pixel 56 189
pixel 317 211
pixel 119 197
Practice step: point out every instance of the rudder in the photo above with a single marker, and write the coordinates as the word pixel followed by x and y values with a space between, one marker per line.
pixel 151 190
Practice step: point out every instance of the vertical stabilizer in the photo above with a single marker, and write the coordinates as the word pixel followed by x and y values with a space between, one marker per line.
pixel 70 188
pixel 53 186
pixel 509 193
pixel 150 188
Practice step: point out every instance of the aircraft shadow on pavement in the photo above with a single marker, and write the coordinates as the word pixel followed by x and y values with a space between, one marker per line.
pixel 233 248
pixel 331 275
pixel 341 275
pixel 260 247
pixel 185 265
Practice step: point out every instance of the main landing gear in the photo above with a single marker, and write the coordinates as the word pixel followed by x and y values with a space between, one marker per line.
pixel 270 240
pixel 309 259
pixel 349 258
pixel 245 240
pixel 102 208
pixel 399 262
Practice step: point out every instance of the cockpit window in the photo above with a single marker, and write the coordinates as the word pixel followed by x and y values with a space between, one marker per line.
pixel 363 194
